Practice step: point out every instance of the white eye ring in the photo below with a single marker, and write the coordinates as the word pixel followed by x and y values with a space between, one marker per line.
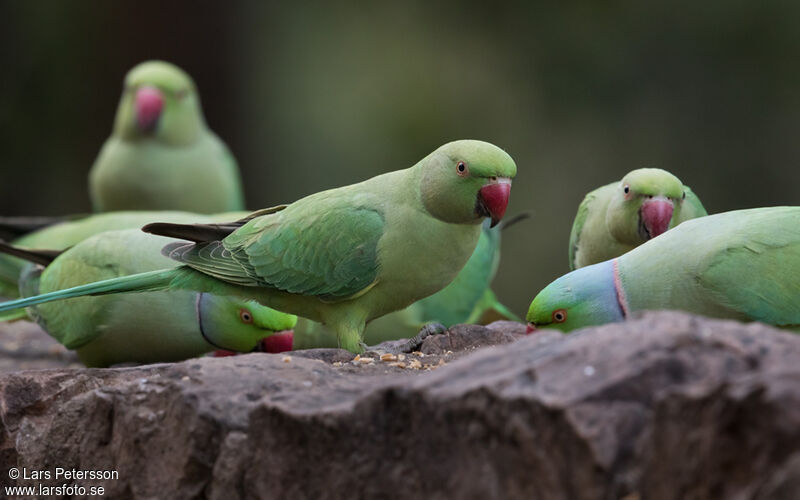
pixel 462 169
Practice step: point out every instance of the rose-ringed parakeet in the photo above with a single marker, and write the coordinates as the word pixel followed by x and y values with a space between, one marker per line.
pixel 161 154
pixel 345 256
pixel 618 217
pixel 146 327
pixel 468 299
pixel 70 232
pixel 742 265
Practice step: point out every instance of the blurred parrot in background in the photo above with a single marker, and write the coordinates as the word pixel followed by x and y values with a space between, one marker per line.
pixel 344 256
pixel 618 217
pixel 468 299
pixel 146 327
pixel 161 154
pixel 65 234
pixel 742 265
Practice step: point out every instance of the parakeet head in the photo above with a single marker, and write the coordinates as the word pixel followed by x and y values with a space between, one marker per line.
pixel 159 101
pixel 644 205
pixel 584 297
pixel 465 181
pixel 239 325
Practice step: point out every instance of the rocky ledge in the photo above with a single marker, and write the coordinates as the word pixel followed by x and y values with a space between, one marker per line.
pixel 665 406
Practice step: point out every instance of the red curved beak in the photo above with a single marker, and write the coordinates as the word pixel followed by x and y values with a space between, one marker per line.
pixel 531 328
pixel 148 104
pixel 493 198
pixel 278 342
pixel 656 215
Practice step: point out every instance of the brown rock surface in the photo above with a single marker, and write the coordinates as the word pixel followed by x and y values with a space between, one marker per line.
pixel 667 406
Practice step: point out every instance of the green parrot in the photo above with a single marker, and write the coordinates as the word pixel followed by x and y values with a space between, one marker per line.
pixel 742 265
pixel 345 256
pixel 468 299
pixel 68 233
pixel 161 154
pixel 620 216
pixel 146 327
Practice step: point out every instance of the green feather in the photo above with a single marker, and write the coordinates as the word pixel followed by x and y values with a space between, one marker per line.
pixel 166 324
pixel 66 234
pixel 608 222
pixel 178 164
pixel 742 265
pixel 392 240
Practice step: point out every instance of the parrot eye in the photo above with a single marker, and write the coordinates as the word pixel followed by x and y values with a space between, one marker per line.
pixel 626 189
pixel 462 169
pixel 560 315
pixel 245 316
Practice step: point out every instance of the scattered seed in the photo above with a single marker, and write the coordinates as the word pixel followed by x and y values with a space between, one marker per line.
pixel 401 357
pixel 398 364
pixel 415 364
pixel 388 357
pixel 287 359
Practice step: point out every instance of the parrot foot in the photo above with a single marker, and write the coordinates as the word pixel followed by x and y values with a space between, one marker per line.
pixel 426 331
pixel 399 347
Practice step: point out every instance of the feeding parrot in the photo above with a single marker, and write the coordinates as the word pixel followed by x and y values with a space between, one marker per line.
pixel 161 154
pixel 618 217
pixel 344 256
pixel 742 265
pixel 65 234
pixel 468 299
pixel 145 327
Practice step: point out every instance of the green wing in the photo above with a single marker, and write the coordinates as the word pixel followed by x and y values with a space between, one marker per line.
pixel 333 254
pixel 577 227
pixel 760 277
pixel 692 207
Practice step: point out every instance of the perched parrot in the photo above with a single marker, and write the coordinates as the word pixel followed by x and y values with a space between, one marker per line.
pixel 161 154
pixel 146 327
pixel 344 256
pixel 65 234
pixel 468 299
pixel 620 216
pixel 742 265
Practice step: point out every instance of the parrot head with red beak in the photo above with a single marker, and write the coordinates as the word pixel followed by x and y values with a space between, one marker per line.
pixel 645 205
pixel 160 102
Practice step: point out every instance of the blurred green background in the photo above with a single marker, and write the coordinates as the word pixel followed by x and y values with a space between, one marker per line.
pixel 316 95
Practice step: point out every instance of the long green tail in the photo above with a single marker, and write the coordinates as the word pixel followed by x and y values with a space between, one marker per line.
pixel 142 282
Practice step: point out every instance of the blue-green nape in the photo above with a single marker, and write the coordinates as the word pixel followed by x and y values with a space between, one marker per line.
pixel 584 297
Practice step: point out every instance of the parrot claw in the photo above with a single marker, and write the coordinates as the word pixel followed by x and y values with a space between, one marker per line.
pixel 426 331
pixel 409 346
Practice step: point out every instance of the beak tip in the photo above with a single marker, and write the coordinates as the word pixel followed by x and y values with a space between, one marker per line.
pixel 494 198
